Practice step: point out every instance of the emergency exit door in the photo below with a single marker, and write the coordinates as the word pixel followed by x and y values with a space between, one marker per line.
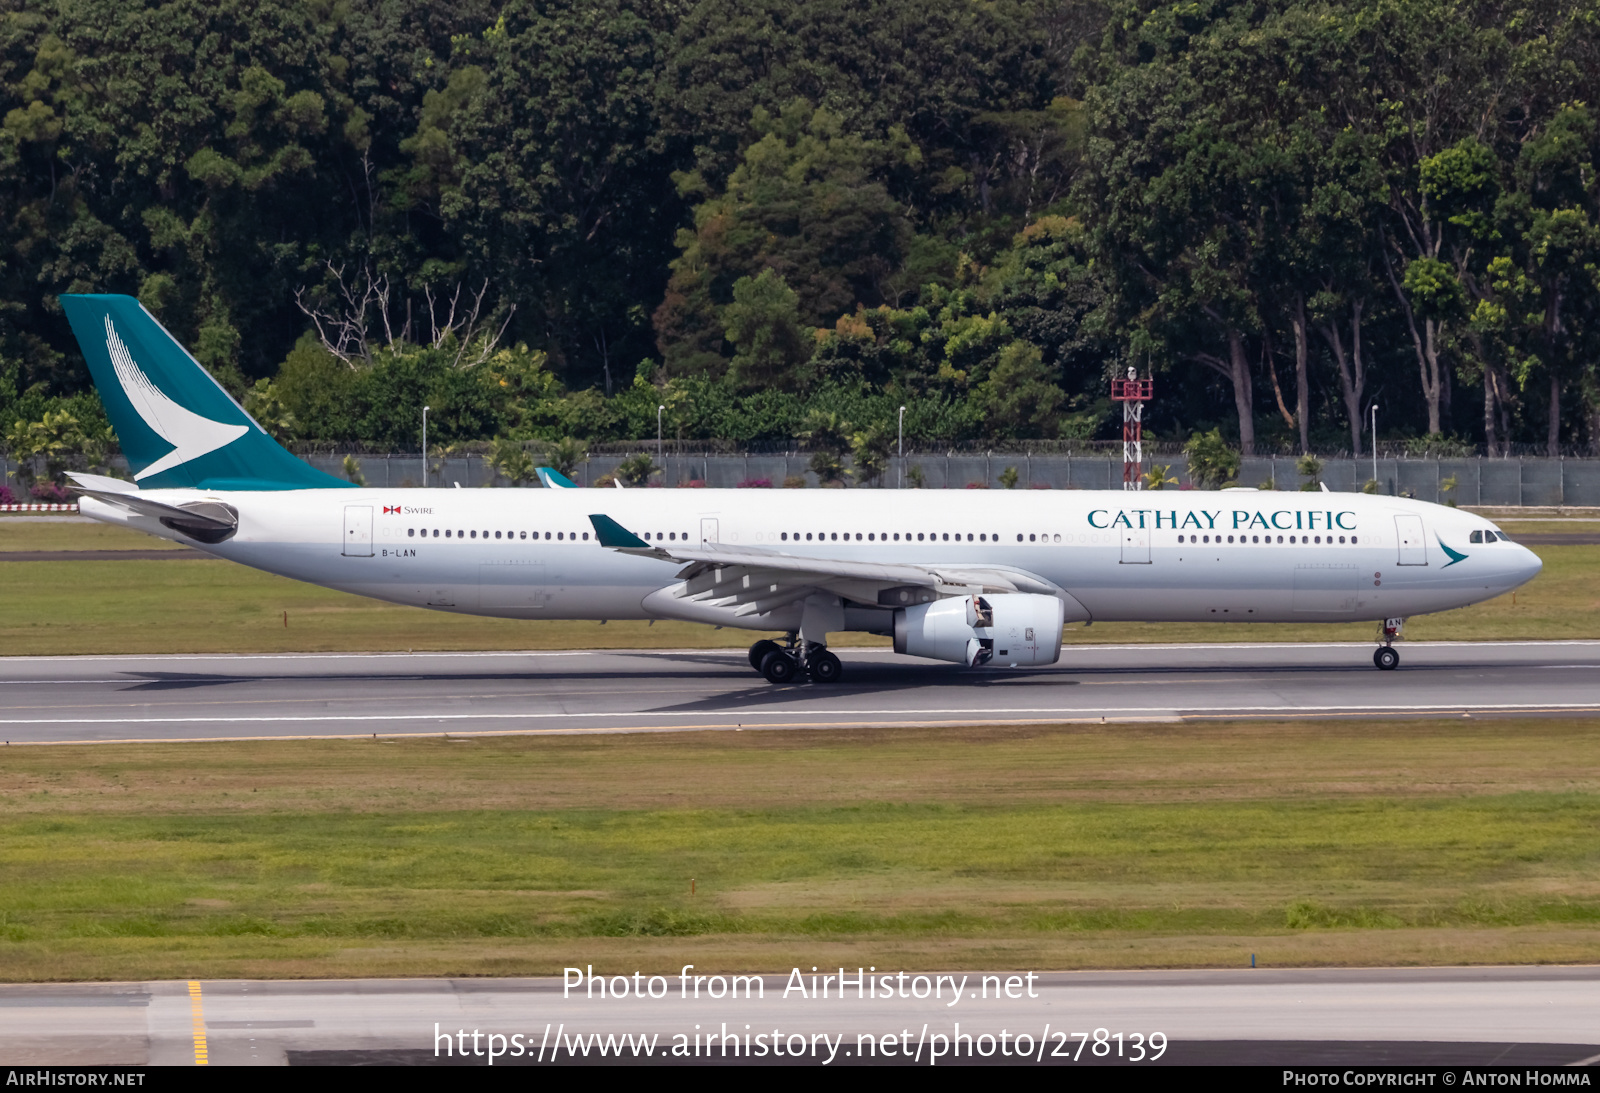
pixel 1409 535
pixel 708 529
pixel 358 531
pixel 1135 546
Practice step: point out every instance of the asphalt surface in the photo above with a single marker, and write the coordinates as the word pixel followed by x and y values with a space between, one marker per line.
pixel 80 699
pixel 1428 1017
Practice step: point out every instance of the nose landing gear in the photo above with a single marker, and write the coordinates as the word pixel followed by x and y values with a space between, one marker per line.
pixel 1386 657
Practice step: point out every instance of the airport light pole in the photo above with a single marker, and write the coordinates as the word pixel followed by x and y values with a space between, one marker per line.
pixel 1374 445
pixel 902 428
pixel 659 411
pixel 425 447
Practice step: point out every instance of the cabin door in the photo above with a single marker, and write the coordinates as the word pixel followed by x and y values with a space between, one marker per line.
pixel 358 531
pixel 1413 547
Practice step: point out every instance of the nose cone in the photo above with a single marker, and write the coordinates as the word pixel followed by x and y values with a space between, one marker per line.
pixel 1525 567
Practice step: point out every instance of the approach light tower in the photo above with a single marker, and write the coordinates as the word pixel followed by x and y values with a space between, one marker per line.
pixel 1133 393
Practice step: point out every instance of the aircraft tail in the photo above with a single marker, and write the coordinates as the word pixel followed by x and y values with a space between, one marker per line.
pixel 176 424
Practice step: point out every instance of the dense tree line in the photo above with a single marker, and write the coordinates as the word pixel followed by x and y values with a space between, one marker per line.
pixel 779 218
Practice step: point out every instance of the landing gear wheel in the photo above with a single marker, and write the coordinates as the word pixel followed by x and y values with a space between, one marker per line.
pixel 1386 659
pixel 824 667
pixel 759 651
pixel 779 667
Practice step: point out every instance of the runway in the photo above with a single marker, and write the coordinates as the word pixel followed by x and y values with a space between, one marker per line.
pixel 88 699
pixel 1426 1017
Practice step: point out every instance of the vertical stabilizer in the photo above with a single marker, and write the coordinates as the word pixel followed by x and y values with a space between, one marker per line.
pixel 176 424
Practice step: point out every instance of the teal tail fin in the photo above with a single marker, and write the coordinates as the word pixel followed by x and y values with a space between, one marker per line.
pixel 554 479
pixel 176 424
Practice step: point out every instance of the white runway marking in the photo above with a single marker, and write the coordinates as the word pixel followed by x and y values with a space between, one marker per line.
pixel 1050 711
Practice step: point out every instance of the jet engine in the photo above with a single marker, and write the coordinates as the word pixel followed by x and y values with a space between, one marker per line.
pixel 1012 628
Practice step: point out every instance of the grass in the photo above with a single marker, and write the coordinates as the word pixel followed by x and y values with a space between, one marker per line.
pixel 54 608
pixel 1315 843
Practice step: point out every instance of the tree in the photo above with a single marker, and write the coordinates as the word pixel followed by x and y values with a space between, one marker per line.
pixel 1019 398
pixel 805 202
pixel 637 470
pixel 1212 463
pixel 565 455
pixel 511 461
pixel 763 326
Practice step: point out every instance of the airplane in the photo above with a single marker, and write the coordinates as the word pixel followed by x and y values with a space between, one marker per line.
pixel 974 578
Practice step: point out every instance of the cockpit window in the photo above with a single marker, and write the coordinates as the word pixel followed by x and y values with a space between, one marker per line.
pixel 1476 537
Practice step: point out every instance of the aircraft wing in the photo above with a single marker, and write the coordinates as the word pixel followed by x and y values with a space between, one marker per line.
pixel 756 580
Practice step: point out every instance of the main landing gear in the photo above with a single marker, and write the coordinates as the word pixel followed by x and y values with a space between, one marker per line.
pixel 784 664
pixel 1386 656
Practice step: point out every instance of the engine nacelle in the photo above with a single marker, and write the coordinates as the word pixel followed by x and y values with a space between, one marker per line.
pixel 1012 628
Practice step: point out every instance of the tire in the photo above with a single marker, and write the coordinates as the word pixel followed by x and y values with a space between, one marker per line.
pixel 779 667
pixel 759 651
pixel 1386 659
pixel 825 667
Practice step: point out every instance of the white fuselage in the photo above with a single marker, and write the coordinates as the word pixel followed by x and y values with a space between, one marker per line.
pixel 1232 556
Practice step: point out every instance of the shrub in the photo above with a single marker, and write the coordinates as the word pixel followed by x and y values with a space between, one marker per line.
pixel 795 482
pixel 6 496
pixel 754 484
pixel 49 493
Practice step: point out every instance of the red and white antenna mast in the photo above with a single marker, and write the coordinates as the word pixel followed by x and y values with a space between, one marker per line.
pixel 1133 393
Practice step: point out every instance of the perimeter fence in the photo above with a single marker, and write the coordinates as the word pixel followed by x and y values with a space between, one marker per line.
pixel 1512 481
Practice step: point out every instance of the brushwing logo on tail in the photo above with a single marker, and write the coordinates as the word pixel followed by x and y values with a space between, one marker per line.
pixel 190 435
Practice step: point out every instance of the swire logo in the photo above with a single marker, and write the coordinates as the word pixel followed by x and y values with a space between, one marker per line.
pixel 391 510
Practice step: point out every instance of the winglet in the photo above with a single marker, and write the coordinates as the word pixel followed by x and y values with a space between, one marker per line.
pixel 612 534
pixel 555 480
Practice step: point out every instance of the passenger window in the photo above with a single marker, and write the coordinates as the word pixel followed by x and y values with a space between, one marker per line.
pixel 447 533
pixel 919 536
pixel 435 533
pixel 858 536
pixel 836 535
pixel 808 536
pixel 524 535
pixel 411 533
pixel 1058 538
pixel 586 536
pixel 1352 540
pixel 497 535
pixel 1019 537
pixel 1030 538
pixel 560 534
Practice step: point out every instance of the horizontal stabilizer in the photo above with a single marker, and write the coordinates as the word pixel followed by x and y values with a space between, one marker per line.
pixel 206 516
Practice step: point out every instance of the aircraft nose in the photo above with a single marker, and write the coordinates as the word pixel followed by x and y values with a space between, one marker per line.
pixel 1527 566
